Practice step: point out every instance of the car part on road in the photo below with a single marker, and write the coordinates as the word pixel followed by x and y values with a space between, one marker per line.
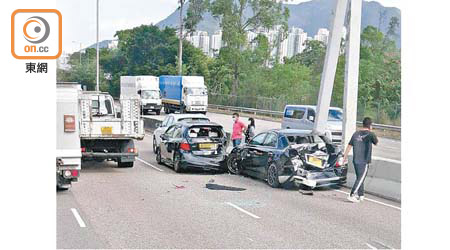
pixel 212 186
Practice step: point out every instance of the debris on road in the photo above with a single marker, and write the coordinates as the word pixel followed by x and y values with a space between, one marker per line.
pixel 221 187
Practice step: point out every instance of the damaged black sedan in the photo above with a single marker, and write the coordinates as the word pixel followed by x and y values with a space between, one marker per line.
pixel 193 145
pixel 290 155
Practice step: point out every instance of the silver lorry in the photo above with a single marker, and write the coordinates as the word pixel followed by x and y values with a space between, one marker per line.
pixel 106 134
pixel 68 150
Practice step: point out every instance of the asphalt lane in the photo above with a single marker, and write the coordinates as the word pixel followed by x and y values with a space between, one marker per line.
pixel 143 207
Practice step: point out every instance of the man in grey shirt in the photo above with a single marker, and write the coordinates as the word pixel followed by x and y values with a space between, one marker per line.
pixel 361 142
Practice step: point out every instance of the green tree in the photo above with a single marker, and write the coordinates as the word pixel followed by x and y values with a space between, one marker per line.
pixel 235 25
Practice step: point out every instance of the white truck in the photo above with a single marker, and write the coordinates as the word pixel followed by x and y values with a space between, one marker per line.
pixel 186 94
pixel 147 87
pixel 68 149
pixel 106 134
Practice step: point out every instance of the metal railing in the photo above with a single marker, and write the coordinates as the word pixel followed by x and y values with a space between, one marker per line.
pixel 279 114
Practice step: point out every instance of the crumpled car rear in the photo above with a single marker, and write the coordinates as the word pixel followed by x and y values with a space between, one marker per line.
pixel 314 167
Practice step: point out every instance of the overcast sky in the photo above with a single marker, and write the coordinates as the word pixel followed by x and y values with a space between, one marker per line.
pixel 79 17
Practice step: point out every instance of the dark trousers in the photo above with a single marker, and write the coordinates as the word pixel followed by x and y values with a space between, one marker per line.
pixel 361 173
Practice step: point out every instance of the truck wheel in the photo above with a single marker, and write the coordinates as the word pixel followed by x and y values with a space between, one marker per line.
pixel 125 164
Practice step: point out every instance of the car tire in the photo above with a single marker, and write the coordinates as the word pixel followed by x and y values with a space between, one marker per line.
pixel 154 145
pixel 272 176
pixel 125 164
pixel 176 163
pixel 158 112
pixel 158 156
pixel 233 164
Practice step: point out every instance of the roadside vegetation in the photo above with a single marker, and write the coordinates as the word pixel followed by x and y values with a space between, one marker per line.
pixel 250 72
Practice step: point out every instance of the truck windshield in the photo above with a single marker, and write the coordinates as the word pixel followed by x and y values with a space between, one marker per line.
pixel 150 94
pixel 196 91
pixel 334 115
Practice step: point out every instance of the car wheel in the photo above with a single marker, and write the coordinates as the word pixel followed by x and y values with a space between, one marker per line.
pixel 158 112
pixel 176 163
pixel 233 164
pixel 158 156
pixel 272 176
pixel 154 145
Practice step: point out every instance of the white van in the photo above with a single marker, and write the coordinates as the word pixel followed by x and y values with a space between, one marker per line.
pixel 303 117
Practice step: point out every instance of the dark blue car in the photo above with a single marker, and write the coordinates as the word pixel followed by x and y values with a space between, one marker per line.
pixel 289 155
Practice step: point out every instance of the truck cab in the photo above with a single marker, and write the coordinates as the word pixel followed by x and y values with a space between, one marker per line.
pixel 147 87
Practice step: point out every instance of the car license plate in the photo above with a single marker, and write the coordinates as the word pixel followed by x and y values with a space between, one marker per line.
pixel 315 161
pixel 106 130
pixel 206 146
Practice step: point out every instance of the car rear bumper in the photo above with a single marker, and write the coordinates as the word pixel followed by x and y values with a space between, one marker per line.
pixel 204 163
pixel 321 179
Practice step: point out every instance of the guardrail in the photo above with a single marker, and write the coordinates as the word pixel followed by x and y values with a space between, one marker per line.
pixel 280 114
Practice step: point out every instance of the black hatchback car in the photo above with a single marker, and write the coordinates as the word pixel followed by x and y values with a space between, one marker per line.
pixel 290 155
pixel 196 145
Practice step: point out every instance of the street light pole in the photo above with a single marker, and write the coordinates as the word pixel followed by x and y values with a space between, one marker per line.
pixel 98 65
pixel 180 42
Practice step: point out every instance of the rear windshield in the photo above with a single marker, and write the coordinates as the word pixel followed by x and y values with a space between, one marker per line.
pixel 205 131
pixel 188 119
pixel 302 139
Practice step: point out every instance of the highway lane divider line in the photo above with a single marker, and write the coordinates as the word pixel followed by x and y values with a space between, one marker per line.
pixel 386 159
pixel 242 210
pixel 149 164
pixel 78 217
pixel 372 200
pixel 370 246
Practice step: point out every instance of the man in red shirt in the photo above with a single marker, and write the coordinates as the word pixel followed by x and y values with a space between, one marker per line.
pixel 238 129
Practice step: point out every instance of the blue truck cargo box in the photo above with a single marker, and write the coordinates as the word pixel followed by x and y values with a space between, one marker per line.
pixel 171 87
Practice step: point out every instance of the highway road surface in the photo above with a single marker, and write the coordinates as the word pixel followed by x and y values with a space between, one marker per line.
pixel 151 206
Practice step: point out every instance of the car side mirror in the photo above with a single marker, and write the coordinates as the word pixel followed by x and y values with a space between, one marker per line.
pixel 293 152
pixel 163 137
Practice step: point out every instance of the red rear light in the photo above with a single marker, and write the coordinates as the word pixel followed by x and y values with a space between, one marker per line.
pixel 83 149
pixel 74 173
pixel 132 150
pixel 185 146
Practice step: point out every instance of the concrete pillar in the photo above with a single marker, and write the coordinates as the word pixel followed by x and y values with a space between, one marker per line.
pixel 352 71
pixel 329 68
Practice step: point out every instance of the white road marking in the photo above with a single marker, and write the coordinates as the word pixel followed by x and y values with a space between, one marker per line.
pixel 386 159
pixel 78 217
pixel 149 164
pixel 370 246
pixel 375 201
pixel 243 210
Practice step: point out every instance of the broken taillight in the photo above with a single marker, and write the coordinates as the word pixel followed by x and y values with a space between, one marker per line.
pixel 185 146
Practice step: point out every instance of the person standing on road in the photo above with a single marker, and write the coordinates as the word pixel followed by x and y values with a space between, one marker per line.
pixel 250 130
pixel 238 129
pixel 361 142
